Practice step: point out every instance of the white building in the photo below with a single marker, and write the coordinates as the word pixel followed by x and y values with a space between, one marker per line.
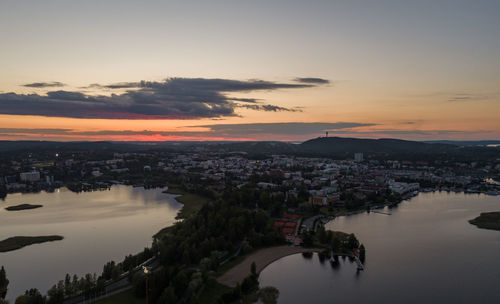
pixel 402 188
pixel 358 157
pixel 30 176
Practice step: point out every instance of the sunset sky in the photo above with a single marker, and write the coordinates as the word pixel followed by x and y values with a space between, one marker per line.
pixel 249 70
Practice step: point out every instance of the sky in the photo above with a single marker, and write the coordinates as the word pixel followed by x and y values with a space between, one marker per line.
pixel 249 70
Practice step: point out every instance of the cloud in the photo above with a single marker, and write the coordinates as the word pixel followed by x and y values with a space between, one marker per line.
pixel 312 80
pixel 211 130
pixel 466 97
pixel 254 131
pixel 35 131
pixel 174 98
pixel 457 96
pixel 249 100
pixel 44 84
pixel 284 128
pixel 269 108
pixel 67 95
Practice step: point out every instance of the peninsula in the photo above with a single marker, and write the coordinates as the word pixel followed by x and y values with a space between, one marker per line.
pixel 19 242
pixel 487 220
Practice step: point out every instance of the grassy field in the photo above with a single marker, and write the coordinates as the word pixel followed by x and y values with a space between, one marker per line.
pixel 192 202
pixel 126 297
pixel 19 242
pixel 487 220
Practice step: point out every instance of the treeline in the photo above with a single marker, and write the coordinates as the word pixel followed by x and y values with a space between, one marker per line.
pixel 89 286
pixel 4 282
pixel 272 200
pixel 191 251
pixel 218 226
pixel 3 191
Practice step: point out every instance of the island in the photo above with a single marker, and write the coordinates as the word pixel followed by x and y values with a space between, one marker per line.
pixel 487 220
pixel 19 242
pixel 22 207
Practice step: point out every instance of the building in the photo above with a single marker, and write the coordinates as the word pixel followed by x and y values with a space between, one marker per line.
pixel 403 188
pixel 30 176
pixel 358 157
pixel 323 200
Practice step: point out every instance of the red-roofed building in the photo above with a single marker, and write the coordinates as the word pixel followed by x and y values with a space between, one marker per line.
pixel 279 223
pixel 291 216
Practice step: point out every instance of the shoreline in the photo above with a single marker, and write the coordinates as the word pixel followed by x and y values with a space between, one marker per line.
pixel 262 258
pixel 191 202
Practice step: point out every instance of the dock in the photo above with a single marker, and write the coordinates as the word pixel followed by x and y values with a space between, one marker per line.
pixel 380 212
pixel 351 255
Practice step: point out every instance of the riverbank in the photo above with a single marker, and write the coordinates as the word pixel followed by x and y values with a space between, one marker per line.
pixel 262 258
pixel 192 202
pixel 19 242
pixel 487 220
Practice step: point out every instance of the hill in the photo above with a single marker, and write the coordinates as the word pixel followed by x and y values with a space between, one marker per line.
pixel 338 145
pixel 465 143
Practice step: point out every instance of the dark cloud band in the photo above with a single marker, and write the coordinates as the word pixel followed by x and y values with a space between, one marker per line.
pixel 312 80
pixel 44 84
pixel 174 98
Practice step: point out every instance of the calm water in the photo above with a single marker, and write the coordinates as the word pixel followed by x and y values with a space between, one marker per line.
pixel 97 227
pixel 425 252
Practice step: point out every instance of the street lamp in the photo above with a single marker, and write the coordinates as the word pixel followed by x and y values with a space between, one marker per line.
pixel 146 273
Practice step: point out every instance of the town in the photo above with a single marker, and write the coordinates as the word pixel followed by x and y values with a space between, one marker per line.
pixel 302 183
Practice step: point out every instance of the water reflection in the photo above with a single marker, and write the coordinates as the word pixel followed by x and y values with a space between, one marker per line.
pixel 97 226
pixel 425 252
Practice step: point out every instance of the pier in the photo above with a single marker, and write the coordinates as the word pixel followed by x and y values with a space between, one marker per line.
pixel 349 255
pixel 380 212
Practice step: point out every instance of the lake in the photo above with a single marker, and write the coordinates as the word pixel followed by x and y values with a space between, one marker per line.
pixel 97 226
pixel 424 252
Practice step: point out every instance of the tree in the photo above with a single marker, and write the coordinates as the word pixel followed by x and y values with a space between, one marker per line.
pixel 115 274
pixel 261 220
pixel 31 296
pixel 55 294
pixel 75 285
pixel 336 243
pixel 139 284
pixel 168 296
pixel 3 191
pixel 352 241
pixel 68 286
pixel 4 282
pixel 269 295
pixel 307 239
pixel 195 283
pixel 321 232
pixel 180 282
pixel 362 253
pixel 107 270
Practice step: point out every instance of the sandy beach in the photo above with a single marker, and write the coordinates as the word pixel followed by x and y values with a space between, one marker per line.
pixel 262 258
